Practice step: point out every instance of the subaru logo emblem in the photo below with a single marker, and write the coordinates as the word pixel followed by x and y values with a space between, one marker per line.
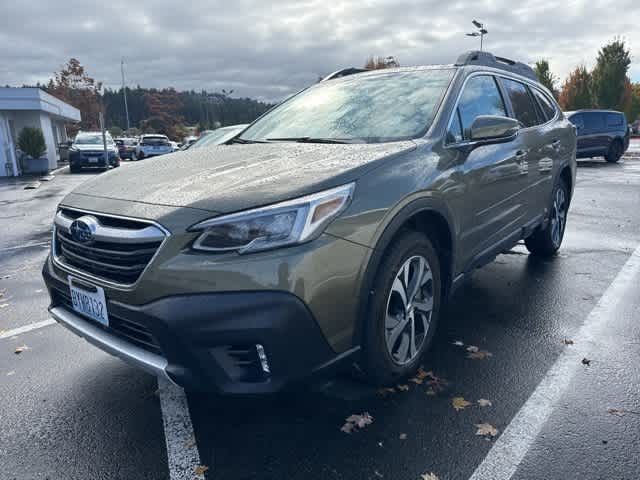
pixel 83 229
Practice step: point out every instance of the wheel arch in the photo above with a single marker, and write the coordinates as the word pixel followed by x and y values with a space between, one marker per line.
pixel 427 215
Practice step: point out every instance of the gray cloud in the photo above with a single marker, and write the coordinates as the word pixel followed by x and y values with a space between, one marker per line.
pixel 269 49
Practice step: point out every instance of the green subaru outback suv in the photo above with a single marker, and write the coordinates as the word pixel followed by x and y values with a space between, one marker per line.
pixel 329 232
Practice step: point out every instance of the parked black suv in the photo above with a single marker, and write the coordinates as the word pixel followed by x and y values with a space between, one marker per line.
pixel 601 133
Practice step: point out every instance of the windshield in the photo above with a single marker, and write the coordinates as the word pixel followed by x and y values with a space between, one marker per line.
pixel 218 136
pixel 91 139
pixel 375 107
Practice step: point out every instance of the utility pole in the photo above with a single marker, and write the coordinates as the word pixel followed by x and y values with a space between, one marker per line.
pixel 124 93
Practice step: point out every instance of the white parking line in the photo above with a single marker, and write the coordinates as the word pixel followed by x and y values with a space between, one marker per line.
pixel 510 449
pixel 182 451
pixel 26 328
pixel 28 245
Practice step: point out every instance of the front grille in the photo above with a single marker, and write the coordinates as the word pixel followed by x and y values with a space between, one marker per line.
pixel 118 255
pixel 126 329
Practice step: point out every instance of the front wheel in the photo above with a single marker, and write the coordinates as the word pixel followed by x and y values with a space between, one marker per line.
pixel 547 241
pixel 403 310
pixel 615 152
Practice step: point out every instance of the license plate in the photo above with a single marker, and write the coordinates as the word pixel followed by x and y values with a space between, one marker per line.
pixel 93 160
pixel 89 300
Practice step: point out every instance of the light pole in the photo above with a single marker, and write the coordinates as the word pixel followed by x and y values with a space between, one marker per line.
pixel 124 93
pixel 480 33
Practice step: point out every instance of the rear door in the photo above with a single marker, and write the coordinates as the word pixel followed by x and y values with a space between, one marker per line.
pixel 533 141
pixel 492 207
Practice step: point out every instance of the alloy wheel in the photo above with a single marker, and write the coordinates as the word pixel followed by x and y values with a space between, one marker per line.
pixel 558 216
pixel 409 310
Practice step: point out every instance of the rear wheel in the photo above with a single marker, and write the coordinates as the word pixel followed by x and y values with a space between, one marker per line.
pixel 615 152
pixel 403 310
pixel 547 241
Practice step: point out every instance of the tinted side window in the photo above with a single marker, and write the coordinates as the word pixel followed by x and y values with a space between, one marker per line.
pixel 522 102
pixel 548 108
pixel 593 121
pixel 614 120
pixel 480 97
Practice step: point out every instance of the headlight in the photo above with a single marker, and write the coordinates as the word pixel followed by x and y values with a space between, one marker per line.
pixel 282 224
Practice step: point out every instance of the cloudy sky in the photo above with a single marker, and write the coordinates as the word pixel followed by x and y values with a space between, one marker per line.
pixel 269 49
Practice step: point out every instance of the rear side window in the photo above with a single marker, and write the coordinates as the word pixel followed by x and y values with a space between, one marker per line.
pixel 547 107
pixel 593 121
pixel 614 120
pixel 480 97
pixel 523 107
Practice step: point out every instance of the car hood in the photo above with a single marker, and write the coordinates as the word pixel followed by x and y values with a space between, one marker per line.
pixel 229 178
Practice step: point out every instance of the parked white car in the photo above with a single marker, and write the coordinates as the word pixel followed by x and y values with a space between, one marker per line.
pixel 152 145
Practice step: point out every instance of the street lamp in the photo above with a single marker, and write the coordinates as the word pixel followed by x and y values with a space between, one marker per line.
pixel 480 33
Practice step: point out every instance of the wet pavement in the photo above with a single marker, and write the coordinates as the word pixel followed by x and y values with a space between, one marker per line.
pixel 71 411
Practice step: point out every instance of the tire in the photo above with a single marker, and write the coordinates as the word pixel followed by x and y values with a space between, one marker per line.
pixel 387 352
pixel 615 152
pixel 74 169
pixel 546 242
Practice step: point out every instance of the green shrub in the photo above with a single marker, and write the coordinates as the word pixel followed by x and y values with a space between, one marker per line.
pixel 31 142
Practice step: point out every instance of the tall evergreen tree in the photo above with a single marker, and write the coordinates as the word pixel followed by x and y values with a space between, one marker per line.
pixel 545 76
pixel 610 75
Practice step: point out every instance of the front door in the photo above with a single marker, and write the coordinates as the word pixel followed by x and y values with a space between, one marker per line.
pixel 492 203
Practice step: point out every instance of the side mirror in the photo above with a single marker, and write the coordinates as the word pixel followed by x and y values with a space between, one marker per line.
pixel 493 129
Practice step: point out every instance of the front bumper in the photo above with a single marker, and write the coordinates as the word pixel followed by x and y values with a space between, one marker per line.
pixel 208 341
pixel 92 161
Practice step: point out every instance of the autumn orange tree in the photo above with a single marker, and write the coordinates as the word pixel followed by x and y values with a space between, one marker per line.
pixel 72 85
pixel 576 90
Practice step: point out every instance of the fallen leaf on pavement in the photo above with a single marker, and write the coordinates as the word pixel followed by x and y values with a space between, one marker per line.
pixel 200 469
pixel 483 402
pixel 420 376
pixel 356 421
pixel 472 349
pixel 479 355
pixel 486 430
pixel 568 342
pixel 459 403
pixel 436 384
pixel 21 349
pixel 429 476
pixel 458 343
pixel 586 361
pixel 403 436
pixel 616 411
pixel 190 443
pixel 403 388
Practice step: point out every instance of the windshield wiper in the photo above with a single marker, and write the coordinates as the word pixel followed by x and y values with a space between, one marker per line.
pixel 244 141
pixel 306 140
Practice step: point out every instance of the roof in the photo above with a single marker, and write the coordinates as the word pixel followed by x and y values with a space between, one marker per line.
pixel 31 98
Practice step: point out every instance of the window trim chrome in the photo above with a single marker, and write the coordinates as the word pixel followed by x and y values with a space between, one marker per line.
pixel 94 278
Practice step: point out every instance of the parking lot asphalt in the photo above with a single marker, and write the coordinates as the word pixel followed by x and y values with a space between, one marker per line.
pixel 70 411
